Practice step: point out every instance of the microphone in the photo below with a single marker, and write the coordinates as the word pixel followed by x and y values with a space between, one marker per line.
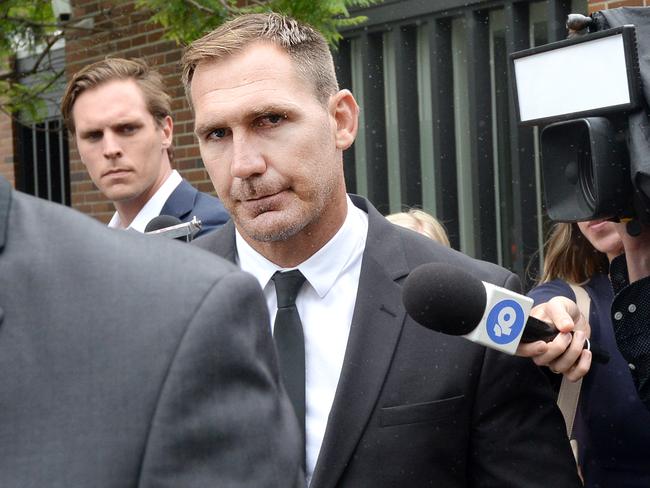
pixel 173 228
pixel 161 222
pixel 447 299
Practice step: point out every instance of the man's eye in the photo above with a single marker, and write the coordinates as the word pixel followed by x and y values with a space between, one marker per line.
pixel 218 134
pixel 93 136
pixel 269 120
pixel 128 129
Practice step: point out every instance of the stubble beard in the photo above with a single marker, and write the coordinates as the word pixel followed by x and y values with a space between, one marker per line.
pixel 279 235
pixel 290 221
pixel 278 228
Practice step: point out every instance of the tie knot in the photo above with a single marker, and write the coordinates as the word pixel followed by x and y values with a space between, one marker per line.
pixel 287 286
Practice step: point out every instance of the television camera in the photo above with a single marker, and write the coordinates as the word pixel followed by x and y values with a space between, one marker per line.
pixel 590 94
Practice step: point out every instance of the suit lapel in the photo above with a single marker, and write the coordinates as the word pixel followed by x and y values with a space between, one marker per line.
pixel 181 202
pixel 376 326
pixel 220 242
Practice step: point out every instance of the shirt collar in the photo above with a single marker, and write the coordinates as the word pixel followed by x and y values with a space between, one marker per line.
pixel 321 269
pixel 153 207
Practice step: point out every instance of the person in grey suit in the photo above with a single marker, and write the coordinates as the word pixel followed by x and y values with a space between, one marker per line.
pixel 384 402
pixel 120 116
pixel 130 361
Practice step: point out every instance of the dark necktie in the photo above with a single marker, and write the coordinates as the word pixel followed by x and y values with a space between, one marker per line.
pixel 290 340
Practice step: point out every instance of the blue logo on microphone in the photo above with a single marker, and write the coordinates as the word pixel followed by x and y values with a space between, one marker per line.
pixel 505 321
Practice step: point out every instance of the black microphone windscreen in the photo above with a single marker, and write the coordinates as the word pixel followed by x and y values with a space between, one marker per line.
pixel 162 222
pixel 444 298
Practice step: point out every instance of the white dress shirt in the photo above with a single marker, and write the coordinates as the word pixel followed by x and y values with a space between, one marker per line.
pixel 152 208
pixel 325 304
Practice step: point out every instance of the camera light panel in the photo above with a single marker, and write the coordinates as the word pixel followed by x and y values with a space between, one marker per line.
pixel 590 75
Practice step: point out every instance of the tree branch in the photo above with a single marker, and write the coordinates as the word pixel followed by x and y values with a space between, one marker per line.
pixel 201 8
pixel 44 53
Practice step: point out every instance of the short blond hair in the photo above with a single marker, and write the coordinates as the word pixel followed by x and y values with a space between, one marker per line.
pixel 306 47
pixel 422 222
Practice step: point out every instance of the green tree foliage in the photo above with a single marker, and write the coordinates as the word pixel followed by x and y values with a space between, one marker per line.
pixel 187 20
pixel 27 26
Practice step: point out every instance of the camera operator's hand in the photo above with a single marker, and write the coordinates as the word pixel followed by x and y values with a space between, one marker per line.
pixel 564 354
pixel 637 252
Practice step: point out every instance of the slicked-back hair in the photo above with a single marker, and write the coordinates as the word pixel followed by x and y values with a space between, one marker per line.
pixel 157 100
pixel 150 82
pixel 306 47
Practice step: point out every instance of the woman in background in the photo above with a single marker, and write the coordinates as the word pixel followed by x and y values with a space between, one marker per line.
pixel 612 425
pixel 420 221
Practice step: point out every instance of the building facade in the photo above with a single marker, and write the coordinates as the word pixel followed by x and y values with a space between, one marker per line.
pixel 437 128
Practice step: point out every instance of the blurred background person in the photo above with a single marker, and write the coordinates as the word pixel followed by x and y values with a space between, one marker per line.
pixel 422 222
pixel 611 424
pixel 120 117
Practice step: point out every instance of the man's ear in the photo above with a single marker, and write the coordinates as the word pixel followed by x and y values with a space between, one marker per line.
pixel 167 127
pixel 345 111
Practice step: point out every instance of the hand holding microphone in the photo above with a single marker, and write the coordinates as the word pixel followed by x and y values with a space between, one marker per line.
pixel 565 353
pixel 447 299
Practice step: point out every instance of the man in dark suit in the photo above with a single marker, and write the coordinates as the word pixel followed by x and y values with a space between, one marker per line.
pixel 383 402
pixel 132 361
pixel 120 117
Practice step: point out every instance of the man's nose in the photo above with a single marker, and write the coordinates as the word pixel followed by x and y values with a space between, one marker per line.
pixel 111 146
pixel 247 159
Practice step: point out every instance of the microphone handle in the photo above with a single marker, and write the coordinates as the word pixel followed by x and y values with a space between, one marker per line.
pixel 538 330
pixel 598 354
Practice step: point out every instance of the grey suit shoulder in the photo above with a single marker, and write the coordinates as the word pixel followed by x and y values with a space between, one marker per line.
pixel 124 360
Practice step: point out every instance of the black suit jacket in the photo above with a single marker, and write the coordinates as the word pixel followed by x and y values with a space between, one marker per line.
pixel 130 361
pixel 185 202
pixel 415 407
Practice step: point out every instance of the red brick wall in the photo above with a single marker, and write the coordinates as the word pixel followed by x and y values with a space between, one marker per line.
pixel 595 5
pixel 122 31
pixel 6 148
